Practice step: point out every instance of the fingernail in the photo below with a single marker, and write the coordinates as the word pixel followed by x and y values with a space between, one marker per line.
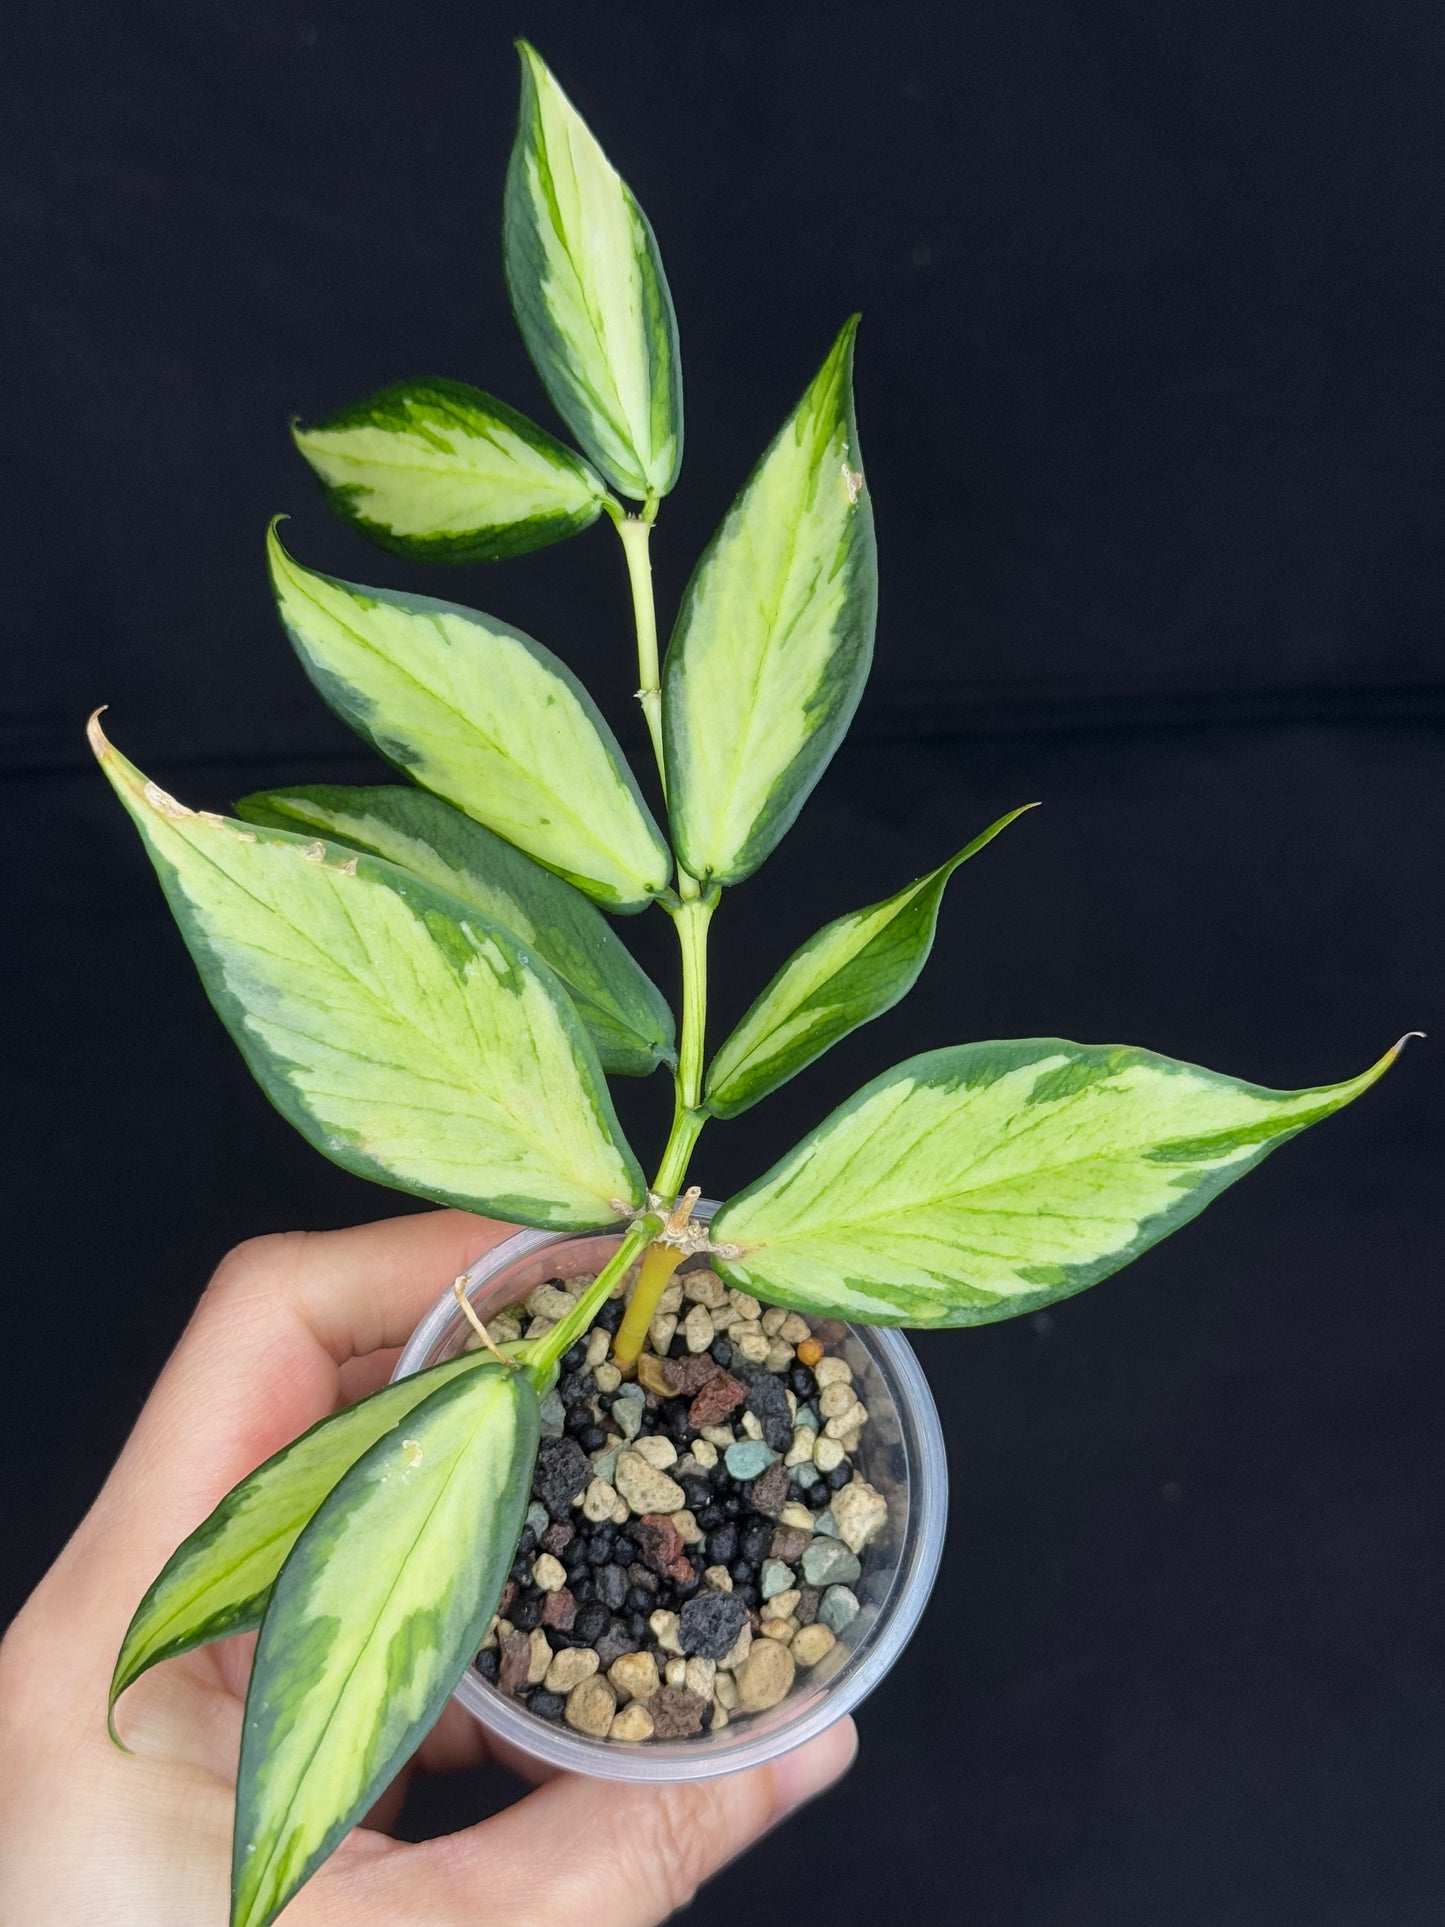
pixel 802 1775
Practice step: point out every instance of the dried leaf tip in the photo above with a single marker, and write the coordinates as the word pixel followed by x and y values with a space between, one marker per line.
pixel 96 736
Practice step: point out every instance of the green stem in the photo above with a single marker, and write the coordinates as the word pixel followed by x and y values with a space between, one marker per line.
pixel 565 1333
pixel 636 532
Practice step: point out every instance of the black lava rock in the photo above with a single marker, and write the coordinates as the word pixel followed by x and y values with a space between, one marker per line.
pixel 616 1641
pixel 611 1586
pixel 591 1622
pixel 611 1315
pixel 547 1706
pixel 526 1614
pixel 722 1352
pixel 803 1383
pixel 768 1403
pixel 755 1541
pixel 572 1360
pixel 563 1470
pixel 722 1545
pixel 488 1664
pixel 709 1624
pixel 840 1475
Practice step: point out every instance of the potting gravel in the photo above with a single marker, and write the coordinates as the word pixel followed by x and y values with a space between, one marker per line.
pixel 696 1531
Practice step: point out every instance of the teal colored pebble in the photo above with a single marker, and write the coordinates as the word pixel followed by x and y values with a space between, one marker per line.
pixel 828 1562
pixel 627 1410
pixel 825 1525
pixel 604 1466
pixel 806 1475
pixel 748 1458
pixel 775 1578
pixel 537 1517
pixel 552 1411
pixel 805 1415
pixel 839 1608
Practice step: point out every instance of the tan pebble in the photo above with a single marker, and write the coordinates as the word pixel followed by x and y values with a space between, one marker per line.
pixel 848 1429
pixel 660 1331
pixel 621 1513
pixel 704 1454
pixel 505 1629
pixel 810 1350
pixel 724 1317
pixel 598 1501
pixel 697 1329
pixel 773 1320
pixel 489 1637
pixel 699 1676
pixel 505 1328
pixel 752 1425
pixel 744 1303
pixel 792 1398
pixel 836 1399
pixel 590 1707
pixel 782 1604
pixel 582 1281
pixel 795 1514
pixel 598 1341
pixel 753 1346
pixel 795 1329
pixel 645 1487
pixel 676 1672
pixel 664 1630
pixel 781 1630
pixel 548 1301
pixel 725 1690
pixel 827 1453
pixel 634 1676
pixel 608 1377
pixel 549 1573
pixel 656 1449
pixel 704 1288
pixel 801 1450
pixel 780 1356
pixel 765 1677
pixel 569 1668
pixel 833 1371
pixel 671 1299
pixel 748 1328
pixel 539 1327
pixel 859 1510
pixel 719 1436
pixel 633 1723
pixel 719 1578
pixel 688 1529
pixel 739 1651
pixel 541 1657
pixel 810 1643
pixel 652 1376
pixel 719 1718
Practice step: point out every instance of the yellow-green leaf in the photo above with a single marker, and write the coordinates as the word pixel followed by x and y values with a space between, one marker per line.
pixel 975 1183
pixel 218 1580
pixel 775 637
pixel 441 472
pixel 589 293
pixel 408 1036
pixel 372 1621
pixel 482 715
pixel 853 970
pixel 627 1017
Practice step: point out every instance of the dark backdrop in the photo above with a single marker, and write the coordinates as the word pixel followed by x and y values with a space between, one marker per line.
pixel 1150 391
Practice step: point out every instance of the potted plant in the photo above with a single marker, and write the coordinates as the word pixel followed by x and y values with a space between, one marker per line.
pixel 686 1489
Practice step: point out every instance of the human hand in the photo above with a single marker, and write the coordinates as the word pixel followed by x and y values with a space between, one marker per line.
pixel 292 1327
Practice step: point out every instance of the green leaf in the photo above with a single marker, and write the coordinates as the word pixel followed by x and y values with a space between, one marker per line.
pixel 975 1183
pixel 850 972
pixel 439 471
pixel 589 293
pixel 627 1017
pixel 217 1581
pixel 773 643
pixel 372 1621
pixel 409 1037
pixel 479 713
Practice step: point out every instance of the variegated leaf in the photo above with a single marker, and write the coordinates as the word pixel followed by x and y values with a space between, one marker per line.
pixel 975 1183
pixel 442 472
pixel 589 293
pixel 479 713
pixel 372 1621
pixel 408 1036
pixel 775 637
pixel 218 1580
pixel 627 1017
pixel 850 972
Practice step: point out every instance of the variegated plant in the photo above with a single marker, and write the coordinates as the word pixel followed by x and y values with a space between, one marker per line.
pixel 424 981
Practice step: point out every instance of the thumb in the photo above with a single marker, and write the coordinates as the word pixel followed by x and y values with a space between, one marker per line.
pixel 609 1853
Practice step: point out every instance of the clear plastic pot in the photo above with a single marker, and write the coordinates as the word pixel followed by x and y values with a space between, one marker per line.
pixel 901 1453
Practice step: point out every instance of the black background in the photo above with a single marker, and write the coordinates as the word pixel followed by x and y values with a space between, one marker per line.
pixel 1150 393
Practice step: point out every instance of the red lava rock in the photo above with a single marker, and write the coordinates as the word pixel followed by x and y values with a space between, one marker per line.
pixel 676 1713
pixel 509 1593
pixel 515 1663
pixel 558 1536
pixel 806 1610
pixel 690 1374
pixel 768 1493
pixel 659 1545
pixel 719 1396
pixel 789 1544
pixel 559 1609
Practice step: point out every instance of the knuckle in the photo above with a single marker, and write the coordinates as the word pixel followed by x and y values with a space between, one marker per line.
pixel 235 1276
